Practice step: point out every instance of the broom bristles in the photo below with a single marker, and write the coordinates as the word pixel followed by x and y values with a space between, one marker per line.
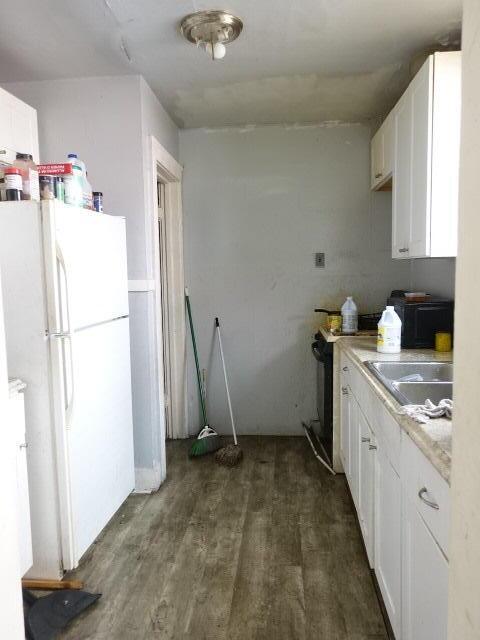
pixel 229 456
pixel 202 446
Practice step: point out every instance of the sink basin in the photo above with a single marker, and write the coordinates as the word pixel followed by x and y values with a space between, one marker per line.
pixel 414 382
pixel 418 392
pixel 429 371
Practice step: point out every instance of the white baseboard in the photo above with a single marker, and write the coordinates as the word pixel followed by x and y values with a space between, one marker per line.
pixel 147 480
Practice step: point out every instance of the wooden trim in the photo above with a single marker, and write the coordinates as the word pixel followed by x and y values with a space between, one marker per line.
pixel 51 585
pixel 164 167
pixel 141 285
pixel 167 163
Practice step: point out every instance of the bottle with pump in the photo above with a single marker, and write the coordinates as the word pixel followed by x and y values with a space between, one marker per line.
pixel 389 338
pixel 349 316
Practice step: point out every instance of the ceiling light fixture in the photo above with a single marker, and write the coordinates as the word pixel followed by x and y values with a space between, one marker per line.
pixel 211 30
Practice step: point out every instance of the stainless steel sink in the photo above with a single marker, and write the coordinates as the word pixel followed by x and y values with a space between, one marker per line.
pixel 414 382
pixel 423 371
pixel 418 392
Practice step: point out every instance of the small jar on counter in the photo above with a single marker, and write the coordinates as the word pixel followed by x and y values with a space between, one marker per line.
pixel 443 341
pixel 13 184
pixel 98 201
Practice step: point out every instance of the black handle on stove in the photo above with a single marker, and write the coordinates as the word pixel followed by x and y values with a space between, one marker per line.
pixel 316 352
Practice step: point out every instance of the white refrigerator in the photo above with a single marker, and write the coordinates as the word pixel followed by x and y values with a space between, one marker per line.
pixel 65 294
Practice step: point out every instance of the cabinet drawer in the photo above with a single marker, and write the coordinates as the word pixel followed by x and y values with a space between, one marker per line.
pixel 427 490
pixel 385 427
pixel 352 377
pixel 346 368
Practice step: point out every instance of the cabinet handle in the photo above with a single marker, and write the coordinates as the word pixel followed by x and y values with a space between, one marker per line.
pixel 371 447
pixel 24 445
pixel 378 175
pixel 364 439
pixel 345 391
pixel 404 250
pixel 421 494
pixel 345 368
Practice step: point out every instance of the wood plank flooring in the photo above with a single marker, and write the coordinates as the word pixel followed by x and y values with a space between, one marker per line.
pixel 269 550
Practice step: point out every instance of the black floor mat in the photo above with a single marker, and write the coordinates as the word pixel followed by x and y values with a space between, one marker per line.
pixel 46 616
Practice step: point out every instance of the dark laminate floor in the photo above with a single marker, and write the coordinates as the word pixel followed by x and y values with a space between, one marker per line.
pixel 268 550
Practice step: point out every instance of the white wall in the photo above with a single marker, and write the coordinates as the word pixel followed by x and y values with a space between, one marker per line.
pixel 108 122
pixel 434 275
pixel 11 608
pixel 464 609
pixel 258 203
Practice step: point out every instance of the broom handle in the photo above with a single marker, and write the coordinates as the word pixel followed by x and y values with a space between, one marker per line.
pixel 217 324
pixel 199 378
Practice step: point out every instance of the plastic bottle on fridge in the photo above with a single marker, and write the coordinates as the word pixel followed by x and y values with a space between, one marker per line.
pixel 389 338
pixel 349 316
pixel 86 199
pixel 73 182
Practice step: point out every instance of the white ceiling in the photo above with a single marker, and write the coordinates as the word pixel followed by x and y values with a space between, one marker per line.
pixel 297 61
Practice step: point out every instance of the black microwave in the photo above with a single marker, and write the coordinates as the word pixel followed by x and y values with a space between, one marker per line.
pixel 421 320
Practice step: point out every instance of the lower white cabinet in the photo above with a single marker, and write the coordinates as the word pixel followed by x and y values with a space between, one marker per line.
pixel 388 526
pixel 345 445
pixel 354 449
pixel 16 420
pixel 424 580
pixel 350 441
pixel 403 508
pixel 366 475
pixel 344 431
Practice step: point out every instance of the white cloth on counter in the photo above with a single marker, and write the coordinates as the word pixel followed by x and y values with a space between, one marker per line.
pixel 425 412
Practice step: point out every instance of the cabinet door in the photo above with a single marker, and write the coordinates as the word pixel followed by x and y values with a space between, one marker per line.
pixel 18 125
pixel 17 422
pixel 421 96
pixel 388 128
pixel 402 183
pixel 388 537
pixel 366 472
pixel 354 428
pixel 345 430
pixel 425 581
pixel 377 159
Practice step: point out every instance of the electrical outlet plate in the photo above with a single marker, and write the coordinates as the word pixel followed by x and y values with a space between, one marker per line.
pixel 320 260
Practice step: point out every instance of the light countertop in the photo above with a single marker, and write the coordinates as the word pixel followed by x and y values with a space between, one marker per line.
pixel 330 337
pixel 434 438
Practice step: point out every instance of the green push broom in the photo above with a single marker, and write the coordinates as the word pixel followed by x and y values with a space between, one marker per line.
pixel 207 440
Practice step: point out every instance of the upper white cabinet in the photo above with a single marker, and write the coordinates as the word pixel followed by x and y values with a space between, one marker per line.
pixel 417 151
pixel 382 148
pixel 426 161
pixel 18 127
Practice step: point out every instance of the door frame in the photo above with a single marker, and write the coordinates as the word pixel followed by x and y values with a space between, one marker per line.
pixel 164 168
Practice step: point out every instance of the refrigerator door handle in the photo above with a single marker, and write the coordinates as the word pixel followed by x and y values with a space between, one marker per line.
pixel 67 335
